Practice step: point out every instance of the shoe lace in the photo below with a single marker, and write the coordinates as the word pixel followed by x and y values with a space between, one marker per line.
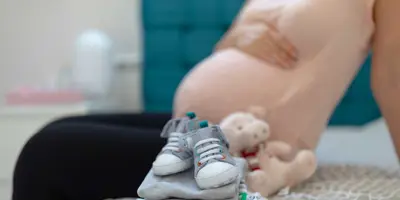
pixel 173 142
pixel 211 148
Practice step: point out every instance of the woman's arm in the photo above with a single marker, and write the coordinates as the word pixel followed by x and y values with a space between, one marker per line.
pixel 386 65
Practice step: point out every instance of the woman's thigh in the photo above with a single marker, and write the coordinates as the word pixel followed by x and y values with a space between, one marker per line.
pixel 74 160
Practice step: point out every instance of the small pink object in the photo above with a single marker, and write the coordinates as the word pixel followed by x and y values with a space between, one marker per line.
pixel 34 96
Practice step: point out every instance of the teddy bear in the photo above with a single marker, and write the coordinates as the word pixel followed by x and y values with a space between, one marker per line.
pixel 239 126
pixel 269 172
pixel 246 135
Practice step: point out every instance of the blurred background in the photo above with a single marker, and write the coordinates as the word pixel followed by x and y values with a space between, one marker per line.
pixel 71 57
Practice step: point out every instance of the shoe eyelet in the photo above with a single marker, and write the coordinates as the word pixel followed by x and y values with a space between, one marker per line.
pixel 199 164
pixel 223 157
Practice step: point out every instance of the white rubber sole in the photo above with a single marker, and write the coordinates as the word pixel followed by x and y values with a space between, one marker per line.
pixel 219 180
pixel 164 170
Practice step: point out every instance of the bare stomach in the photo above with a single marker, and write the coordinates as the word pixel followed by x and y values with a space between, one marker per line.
pixel 231 81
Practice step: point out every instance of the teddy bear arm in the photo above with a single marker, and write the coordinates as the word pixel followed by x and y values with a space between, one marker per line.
pixel 271 178
pixel 303 167
pixel 279 149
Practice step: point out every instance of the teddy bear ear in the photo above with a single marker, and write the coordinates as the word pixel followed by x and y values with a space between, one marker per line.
pixel 257 111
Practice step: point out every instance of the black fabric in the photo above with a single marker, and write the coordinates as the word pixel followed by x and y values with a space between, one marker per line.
pixel 89 157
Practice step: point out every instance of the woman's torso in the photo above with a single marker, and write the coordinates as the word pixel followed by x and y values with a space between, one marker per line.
pixel 332 37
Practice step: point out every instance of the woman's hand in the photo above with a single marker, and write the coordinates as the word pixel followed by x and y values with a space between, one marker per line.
pixel 255 33
pixel 265 42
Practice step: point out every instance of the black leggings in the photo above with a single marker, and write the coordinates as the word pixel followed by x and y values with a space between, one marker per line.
pixel 88 158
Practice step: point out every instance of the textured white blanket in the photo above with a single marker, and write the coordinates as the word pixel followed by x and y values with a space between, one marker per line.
pixel 347 182
pixel 353 182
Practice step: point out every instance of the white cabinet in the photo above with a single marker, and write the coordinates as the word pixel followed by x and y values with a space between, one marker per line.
pixel 18 124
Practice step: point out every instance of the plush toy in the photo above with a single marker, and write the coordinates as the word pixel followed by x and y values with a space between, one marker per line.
pixel 270 167
pixel 244 130
pixel 276 174
pixel 246 135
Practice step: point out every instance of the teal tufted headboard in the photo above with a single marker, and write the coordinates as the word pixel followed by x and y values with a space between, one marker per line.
pixel 180 33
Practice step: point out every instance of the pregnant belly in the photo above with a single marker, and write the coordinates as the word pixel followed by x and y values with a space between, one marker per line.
pixel 231 81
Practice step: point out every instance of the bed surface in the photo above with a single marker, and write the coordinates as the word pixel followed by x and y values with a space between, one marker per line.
pixel 355 164
pixel 368 145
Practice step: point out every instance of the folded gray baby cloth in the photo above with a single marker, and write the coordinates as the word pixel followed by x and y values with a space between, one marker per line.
pixel 183 186
pixel 195 164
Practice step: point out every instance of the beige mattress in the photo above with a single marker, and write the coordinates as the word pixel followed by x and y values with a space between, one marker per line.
pixel 347 182
pixel 347 156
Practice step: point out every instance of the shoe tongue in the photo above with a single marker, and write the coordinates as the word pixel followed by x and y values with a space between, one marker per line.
pixel 170 127
pixel 187 123
pixel 176 125
pixel 182 127
pixel 204 133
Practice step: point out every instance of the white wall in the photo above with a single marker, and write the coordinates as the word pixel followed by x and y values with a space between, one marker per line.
pixel 37 36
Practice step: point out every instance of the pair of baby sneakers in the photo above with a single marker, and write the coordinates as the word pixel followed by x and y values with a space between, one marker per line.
pixel 193 143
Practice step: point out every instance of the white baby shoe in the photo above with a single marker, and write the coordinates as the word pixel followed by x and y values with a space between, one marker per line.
pixel 214 166
pixel 174 157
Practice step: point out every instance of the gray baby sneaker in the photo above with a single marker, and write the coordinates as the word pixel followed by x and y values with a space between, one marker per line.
pixel 173 157
pixel 214 166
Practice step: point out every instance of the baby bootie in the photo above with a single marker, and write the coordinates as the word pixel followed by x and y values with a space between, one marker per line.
pixel 173 157
pixel 214 166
